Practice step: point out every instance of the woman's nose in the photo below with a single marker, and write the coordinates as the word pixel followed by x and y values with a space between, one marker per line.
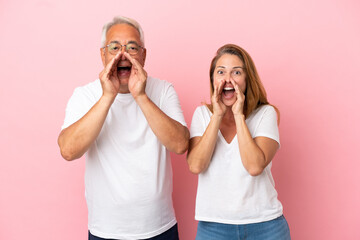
pixel 227 78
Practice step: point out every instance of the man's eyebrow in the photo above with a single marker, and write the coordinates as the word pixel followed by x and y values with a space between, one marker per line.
pixel 132 41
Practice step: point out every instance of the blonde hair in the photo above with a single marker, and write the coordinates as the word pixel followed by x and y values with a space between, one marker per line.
pixel 255 94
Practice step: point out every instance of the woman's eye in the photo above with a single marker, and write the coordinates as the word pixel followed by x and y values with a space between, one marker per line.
pixel 220 72
pixel 237 72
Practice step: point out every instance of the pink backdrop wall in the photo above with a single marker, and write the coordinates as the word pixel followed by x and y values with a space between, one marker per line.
pixel 307 54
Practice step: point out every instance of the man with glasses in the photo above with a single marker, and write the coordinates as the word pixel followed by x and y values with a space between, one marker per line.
pixel 126 123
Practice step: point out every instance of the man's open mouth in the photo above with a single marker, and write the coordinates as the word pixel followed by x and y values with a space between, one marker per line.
pixel 124 70
pixel 128 68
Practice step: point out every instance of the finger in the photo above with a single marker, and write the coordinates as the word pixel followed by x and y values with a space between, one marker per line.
pixel 133 61
pixel 105 73
pixel 112 65
pixel 145 73
pixel 221 85
pixel 237 89
pixel 216 93
pixel 219 88
pixel 114 62
pixel 216 90
pixel 234 84
pixel 130 58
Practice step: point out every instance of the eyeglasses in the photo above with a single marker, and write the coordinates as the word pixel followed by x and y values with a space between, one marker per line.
pixel 132 48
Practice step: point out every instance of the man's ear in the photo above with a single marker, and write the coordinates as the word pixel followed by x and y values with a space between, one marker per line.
pixel 102 53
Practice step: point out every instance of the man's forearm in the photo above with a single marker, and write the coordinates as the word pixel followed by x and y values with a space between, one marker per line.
pixel 172 134
pixel 75 140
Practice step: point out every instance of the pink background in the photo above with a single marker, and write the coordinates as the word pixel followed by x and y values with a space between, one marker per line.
pixel 307 54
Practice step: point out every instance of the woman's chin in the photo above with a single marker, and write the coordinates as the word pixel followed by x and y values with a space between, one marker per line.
pixel 228 102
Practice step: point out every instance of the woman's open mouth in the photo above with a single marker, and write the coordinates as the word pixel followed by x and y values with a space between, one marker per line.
pixel 228 92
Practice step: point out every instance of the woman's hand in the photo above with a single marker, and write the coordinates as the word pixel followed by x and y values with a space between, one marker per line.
pixel 238 106
pixel 219 107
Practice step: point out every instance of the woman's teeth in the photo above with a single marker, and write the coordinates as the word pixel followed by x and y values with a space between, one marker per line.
pixel 228 88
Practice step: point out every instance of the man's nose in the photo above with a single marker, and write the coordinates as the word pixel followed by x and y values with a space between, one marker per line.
pixel 123 49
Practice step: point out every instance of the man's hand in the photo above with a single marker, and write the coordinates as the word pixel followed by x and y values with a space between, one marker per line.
pixel 137 79
pixel 109 79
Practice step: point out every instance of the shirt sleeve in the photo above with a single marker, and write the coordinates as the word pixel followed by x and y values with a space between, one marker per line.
pixel 268 126
pixel 197 128
pixel 171 105
pixel 77 106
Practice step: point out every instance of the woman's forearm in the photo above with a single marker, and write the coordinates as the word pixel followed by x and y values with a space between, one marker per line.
pixel 201 148
pixel 251 154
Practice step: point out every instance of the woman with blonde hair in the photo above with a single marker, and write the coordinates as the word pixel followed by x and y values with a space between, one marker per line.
pixel 233 141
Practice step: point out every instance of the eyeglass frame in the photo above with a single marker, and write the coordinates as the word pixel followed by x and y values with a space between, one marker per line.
pixel 121 45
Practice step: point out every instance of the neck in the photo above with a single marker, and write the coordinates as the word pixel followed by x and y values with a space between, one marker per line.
pixel 123 89
pixel 229 115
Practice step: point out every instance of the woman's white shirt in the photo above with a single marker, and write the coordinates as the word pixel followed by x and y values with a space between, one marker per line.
pixel 226 192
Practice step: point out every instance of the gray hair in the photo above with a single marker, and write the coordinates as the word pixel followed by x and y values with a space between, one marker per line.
pixel 122 20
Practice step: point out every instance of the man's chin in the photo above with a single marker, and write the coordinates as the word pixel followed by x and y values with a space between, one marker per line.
pixel 124 80
pixel 124 85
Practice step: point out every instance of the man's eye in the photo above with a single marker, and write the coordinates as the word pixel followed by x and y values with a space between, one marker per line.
pixel 132 48
pixel 113 47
